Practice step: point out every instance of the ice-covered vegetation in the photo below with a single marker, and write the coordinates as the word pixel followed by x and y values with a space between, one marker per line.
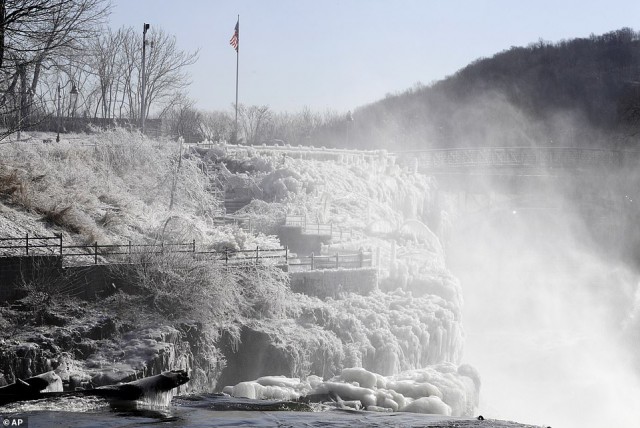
pixel 116 186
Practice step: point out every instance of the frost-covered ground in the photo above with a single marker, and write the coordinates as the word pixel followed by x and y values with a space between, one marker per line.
pixel 113 187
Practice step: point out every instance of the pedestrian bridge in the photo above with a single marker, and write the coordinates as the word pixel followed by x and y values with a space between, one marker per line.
pixel 484 160
pixel 487 159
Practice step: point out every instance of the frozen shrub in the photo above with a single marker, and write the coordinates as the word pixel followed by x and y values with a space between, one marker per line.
pixel 265 217
pixel 277 185
pixel 226 245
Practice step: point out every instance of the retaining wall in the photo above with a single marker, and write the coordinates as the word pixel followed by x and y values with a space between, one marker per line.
pixel 97 281
pixel 298 242
pixel 86 282
pixel 331 282
pixel 15 271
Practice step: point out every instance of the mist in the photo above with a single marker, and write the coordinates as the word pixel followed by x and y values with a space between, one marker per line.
pixel 550 307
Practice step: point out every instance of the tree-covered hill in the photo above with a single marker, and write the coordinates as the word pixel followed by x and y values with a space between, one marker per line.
pixel 580 92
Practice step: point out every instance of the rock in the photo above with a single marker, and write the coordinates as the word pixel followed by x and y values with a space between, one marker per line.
pixel 49 385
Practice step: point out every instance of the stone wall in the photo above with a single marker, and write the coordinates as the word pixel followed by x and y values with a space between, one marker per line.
pixel 300 243
pixel 331 282
pixel 86 282
pixel 15 271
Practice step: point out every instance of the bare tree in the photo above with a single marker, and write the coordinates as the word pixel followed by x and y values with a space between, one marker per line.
pixel 166 76
pixel 117 64
pixel 38 36
pixel 107 65
pixel 184 121
pixel 297 127
pixel 255 120
pixel 217 126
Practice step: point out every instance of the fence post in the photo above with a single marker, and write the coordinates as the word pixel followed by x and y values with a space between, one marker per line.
pixel 286 254
pixel 361 257
pixel 331 229
pixel 60 236
pixel 318 227
pixel 257 253
pixel 341 233
pixel 27 244
pixel 312 261
pixel 95 252
pixel 226 257
pixel 337 260
pixel 194 245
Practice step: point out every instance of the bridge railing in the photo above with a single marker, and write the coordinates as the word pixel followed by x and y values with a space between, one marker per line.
pixel 321 229
pixel 542 157
pixel 336 261
pixel 123 253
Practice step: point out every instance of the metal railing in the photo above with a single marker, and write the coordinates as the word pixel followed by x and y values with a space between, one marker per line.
pixel 515 157
pixel 322 229
pixel 337 261
pixel 29 244
pixel 125 253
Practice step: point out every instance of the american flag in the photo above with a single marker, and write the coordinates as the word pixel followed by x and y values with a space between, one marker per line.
pixel 235 40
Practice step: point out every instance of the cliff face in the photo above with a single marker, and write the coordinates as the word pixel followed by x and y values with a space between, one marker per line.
pixel 88 347
pixel 226 326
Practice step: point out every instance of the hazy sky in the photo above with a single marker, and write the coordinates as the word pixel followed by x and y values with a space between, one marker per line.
pixel 341 54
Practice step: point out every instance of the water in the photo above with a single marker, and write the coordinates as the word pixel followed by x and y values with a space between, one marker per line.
pixel 207 410
pixel 544 314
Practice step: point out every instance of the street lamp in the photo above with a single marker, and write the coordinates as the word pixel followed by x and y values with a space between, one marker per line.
pixel 143 107
pixel 73 99
pixel 349 119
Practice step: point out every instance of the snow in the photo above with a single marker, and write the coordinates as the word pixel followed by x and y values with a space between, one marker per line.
pixel 443 389
pixel 402 344
pixel 54 382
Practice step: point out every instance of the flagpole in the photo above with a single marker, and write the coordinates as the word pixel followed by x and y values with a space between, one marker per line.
pixel 237 68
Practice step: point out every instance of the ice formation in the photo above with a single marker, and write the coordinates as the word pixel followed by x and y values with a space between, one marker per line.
pixel 443 389
pixel 404 341
pixel 407 335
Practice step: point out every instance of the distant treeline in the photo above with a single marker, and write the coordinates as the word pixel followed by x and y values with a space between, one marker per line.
pixel 580 92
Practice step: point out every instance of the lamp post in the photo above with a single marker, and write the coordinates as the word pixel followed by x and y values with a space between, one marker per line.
pixel 349 119
pixel 58 137
pixel 73 99
pixel 145 27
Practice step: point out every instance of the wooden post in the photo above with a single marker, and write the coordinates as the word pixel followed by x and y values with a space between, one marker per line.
pixel 226 257
pixel 60 236
pixel 27 244
pixel 361 257
pixel 286 254
pixel 337 260
pixel 194 245
pixel 257 254
pixel 312 261
pixel 331 229
pixel 95 252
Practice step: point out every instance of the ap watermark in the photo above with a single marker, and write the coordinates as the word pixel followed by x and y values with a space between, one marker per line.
pixel 15 421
